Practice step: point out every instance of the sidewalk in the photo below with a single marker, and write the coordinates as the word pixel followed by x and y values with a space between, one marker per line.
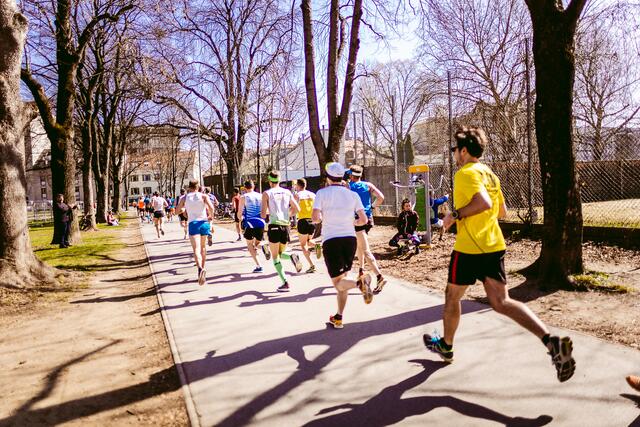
pixel 251 355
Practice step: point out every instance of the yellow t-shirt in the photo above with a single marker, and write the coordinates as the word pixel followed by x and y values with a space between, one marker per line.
pixel 305 200
pixel 480 233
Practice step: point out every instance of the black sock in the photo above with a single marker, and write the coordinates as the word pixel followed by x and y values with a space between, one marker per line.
pixel 444 344
pixel 545 339
pixel 379 277
pixel 337 316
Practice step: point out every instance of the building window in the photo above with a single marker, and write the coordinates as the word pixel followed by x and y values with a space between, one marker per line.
pixel 43 193
pixel 134 178
pixel 77 189
pixel 43 182
pixel 146 190
pixel 146 164
pixel 135 191
pixel 156 176
pixel 146 177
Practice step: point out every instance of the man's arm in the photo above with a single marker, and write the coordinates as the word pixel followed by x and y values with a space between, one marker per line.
pixel 379 197
pixel 362 218
pixel 294 207
pixel 480 202
pixel 265 205
pixel 316 216
pixel 207 203
pixel 240 209
pixel 180 206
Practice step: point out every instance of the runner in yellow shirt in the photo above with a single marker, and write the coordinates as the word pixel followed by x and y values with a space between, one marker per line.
pixel 478 254
pixel 306 228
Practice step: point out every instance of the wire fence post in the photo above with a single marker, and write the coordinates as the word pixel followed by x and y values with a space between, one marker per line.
pixel 449 95
pixel 395 152
pixel 364 145
pixel 529 146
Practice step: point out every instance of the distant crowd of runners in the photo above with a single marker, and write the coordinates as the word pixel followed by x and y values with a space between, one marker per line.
pixel 335 221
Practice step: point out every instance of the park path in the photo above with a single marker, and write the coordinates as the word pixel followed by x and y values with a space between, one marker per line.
pixel 250 355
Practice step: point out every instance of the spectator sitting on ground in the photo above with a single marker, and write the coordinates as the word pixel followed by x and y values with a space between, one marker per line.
pixel 111 219
pixel 407 225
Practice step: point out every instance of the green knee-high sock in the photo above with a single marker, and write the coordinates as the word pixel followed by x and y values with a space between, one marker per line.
pixel 285 255
pixel 278 265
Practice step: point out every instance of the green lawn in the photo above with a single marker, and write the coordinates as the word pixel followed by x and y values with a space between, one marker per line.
pixel 94 252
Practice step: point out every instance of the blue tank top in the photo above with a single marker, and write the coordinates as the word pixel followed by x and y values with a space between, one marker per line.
pixel 252 207
pixel 361 188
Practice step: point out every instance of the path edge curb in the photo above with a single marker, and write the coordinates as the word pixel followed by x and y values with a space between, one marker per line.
pixel 194 418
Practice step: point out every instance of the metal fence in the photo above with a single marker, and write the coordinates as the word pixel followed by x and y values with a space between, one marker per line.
pixel 41 211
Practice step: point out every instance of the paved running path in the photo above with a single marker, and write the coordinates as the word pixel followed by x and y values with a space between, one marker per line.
pixel 253 356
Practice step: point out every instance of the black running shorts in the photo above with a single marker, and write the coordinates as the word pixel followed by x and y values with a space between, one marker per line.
pixel 158 214
pixel 235 217
pixel 305 226
pixel 338 255
pixel 465 269
pixel 368 226
pixel 253 233
pixel 183 217
pixel 278 234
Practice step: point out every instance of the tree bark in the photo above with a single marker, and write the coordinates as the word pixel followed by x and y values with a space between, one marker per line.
pixel 553 52
pixel 19 267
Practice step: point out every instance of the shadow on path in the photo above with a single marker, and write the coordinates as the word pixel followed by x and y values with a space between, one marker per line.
pixel 388 407
pixel 636 399
pixel 338 342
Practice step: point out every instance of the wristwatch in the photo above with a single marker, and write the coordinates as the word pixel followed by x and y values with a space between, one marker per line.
pixel 455 214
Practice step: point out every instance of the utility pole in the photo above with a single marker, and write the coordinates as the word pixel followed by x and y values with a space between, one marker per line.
pixel 304 155
pixel 395 150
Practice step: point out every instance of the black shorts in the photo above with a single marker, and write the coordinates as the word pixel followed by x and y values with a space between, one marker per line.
pixel 368 226
pixel 253 233
pixel 235 217
pixel 158 214
pixel 183 217
pixel 278 234
pixel 338 255
pixel 305 226
pixel 465 269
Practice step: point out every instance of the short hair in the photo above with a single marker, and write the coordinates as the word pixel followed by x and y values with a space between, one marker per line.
pixel 193 184
pixel 236 190
pixel 207 190
pixel 405 201
pixel 473 139
pixel 334 178
pixel 155 193
pixel 182 191
pixel 356 170
pixel 248 184
pixel 274 176
pixel 302 182
pixel 59 195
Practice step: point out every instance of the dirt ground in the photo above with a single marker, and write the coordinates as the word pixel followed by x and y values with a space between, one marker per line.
pixel 97 356
pixel 613 317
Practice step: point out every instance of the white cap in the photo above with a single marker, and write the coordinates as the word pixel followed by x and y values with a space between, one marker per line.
pixel 334 170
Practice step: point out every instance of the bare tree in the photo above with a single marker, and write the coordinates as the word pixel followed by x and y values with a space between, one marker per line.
pixel 19 267
pixel 607 76
pixel 395 97
pixel 481 44
pixel 63 27
pixel 215 53
pixel 554 29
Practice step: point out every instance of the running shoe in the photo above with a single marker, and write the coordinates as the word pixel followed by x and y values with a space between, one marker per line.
pixel 364 284
pixel 634 382
pixel 239 238
pixel 311 269
pixel 560 351
pixel 202 277
pixel 162 232
pixel 257 269
pixel 379 285
pixel 295 259
pixel 318 250
pixel 335 322
pixel 434 343
pixel 210 240
pixel 266 252
pixel 284 288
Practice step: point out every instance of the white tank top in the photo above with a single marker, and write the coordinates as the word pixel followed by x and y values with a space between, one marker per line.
pixel 279 200
pixel 196 209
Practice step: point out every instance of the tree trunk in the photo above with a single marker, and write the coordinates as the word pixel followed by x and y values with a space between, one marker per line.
pixel 19 267
pixel 87 177
pixel 553 52
pixel 102 199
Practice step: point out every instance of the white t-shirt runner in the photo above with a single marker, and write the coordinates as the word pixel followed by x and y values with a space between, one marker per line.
pixel 158 203
pixel 338 206
pixel 195 206
pixel 279 202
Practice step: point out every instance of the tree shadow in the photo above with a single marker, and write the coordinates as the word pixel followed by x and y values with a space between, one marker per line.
pixel 388 407
pixel 337 343
pixel 119 298
pixel 635 399
pixel 266 299
pixel 528 290
pixel 237 277
pixel 210 300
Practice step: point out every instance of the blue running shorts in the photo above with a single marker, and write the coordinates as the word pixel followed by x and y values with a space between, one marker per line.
pixel 201 228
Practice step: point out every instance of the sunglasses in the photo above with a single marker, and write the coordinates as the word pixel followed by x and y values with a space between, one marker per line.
pixel 453 149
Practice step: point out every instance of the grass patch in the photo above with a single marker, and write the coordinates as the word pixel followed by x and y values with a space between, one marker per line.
pixel 94 252
pixel 599 282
